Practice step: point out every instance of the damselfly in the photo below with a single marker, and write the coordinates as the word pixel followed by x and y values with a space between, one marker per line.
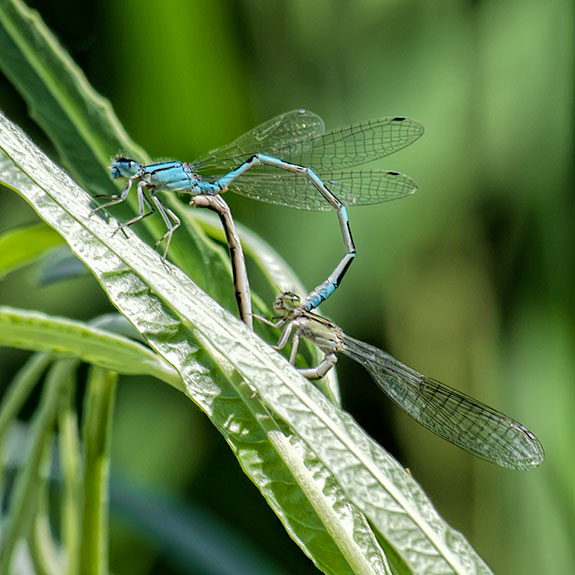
pixel 456 417
pixel 287 161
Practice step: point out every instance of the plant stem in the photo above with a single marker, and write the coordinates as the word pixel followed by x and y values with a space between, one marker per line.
pixel 96 434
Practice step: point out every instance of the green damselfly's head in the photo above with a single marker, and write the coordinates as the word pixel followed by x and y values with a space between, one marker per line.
pixel 123 168
pixel 286 302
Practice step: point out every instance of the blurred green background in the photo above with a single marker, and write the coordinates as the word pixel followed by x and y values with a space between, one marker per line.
pixel 470 281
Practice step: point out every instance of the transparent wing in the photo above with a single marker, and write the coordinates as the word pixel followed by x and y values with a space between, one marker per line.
pixel 458 418
pixel 297 137
pixel 352 146
pixel 280 132
pixel 295 191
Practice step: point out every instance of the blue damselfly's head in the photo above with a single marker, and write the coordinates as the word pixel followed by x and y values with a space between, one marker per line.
pixel 123 168
pixel 286 303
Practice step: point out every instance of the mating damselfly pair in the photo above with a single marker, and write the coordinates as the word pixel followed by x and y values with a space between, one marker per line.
pixel 290 161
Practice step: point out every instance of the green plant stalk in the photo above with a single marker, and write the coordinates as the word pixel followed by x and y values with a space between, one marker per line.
pixel 96 435
pixel 70 462
pixel 25 497
pixel 17 394
pixel 40 542
pixel 20 390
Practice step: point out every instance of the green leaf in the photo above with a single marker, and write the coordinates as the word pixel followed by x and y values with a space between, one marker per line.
pixel 222 364
pixel 25 245
pixel 80 123
pixel 58 336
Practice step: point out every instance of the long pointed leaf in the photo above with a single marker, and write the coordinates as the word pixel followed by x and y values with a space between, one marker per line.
pixel 202 340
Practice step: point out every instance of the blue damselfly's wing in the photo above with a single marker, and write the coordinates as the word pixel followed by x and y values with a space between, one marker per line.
pixel 352 188
pixel 297 138
pixel 353 145
pixel 280 132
